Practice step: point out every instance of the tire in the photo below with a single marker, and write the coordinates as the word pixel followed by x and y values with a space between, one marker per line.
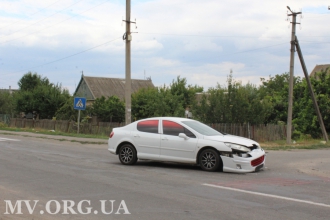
pixel 209 160
pixel 127 154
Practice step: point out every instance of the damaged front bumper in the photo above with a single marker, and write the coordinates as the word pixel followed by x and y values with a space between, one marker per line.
pixel 244 163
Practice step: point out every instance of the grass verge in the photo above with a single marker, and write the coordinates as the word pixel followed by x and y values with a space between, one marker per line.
pixel 299 144
pixel 52 132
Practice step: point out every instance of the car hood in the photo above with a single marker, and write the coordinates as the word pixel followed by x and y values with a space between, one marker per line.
pixel 232 139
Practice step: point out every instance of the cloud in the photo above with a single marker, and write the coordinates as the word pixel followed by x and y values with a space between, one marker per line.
pixel 199 40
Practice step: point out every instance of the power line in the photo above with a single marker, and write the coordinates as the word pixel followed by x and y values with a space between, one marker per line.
pixel 260 48
pixel 54 24
pixel 314 42
pixel 219 36
pixel 42 19
pixel 46 7
pixel 120 38
pixel 63 58
pixel 211 36
pixel 228 54
pixel 15 22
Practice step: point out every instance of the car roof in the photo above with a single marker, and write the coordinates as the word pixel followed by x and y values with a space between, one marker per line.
pixel 169 118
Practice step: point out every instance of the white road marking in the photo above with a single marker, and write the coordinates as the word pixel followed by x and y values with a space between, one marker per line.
pixel 268 195
pixel 8 139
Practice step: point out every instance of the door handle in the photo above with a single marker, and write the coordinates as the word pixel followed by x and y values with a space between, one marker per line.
pixel 137 135
pixel 165 139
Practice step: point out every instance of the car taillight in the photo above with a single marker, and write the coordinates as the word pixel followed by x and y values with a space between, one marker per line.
pixel 111 134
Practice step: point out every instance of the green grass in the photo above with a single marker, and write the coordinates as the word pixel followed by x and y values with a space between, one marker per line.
pixel 317 146
pixel 58 133
pixel 308 143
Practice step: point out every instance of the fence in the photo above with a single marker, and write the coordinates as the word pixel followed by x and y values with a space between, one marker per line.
pixel 5 118
pixel 260 133
pixel 269 132
pixel 100 128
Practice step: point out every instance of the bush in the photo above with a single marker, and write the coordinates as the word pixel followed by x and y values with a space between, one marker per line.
pixel 296 135
pixel 3 125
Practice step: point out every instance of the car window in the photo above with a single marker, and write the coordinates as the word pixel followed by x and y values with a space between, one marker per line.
pixel 150 126
pixel 201 128
pixel 173 128
pixel 189 133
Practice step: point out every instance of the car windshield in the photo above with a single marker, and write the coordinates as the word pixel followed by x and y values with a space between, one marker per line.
pixel 201 128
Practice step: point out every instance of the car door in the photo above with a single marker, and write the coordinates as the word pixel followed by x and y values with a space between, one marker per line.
pixel 175 148
pixel 147 139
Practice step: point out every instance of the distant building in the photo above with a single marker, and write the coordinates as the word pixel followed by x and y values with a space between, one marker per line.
pixel 10 90
pixel 319 68
pixel 95 87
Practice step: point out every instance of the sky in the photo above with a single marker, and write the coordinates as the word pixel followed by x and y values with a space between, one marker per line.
pixel 200 40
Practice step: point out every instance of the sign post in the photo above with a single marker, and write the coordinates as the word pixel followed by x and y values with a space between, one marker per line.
pixel 79 104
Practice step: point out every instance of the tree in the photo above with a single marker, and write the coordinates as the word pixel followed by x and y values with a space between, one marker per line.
pixel 186 92
pixel 155 102
pixel 111 109
pixel 7 104
pixel 30 81
pixel 274 91
pixel 234 103
pixel 305 119
pixel 40 97
pixel 165 100
pixel 67 112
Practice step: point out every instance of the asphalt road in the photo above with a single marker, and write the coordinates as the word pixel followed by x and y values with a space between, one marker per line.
pixel 59 171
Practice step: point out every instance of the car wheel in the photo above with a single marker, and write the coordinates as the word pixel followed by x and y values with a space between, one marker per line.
pixel 127 154
pixel 209 160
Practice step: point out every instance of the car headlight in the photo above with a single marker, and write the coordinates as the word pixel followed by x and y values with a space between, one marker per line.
pixel 237 147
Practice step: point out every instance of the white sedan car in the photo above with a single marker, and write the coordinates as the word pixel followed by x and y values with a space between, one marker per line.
pixel 183 140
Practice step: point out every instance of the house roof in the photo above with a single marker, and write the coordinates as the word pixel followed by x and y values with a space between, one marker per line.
pixel 319 68
pixel 103 86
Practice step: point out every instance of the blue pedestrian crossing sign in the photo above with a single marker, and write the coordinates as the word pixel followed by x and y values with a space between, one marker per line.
pixel 79 103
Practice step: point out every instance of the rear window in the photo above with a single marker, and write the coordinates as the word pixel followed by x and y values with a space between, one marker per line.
pixel 150 126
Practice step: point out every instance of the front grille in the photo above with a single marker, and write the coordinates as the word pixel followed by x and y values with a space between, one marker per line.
pixel 257 161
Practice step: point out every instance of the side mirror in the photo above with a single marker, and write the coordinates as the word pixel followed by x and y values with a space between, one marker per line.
pixel 182 135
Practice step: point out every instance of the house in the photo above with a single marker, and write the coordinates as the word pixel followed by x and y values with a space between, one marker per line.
pixel 95 87
pixel 319 68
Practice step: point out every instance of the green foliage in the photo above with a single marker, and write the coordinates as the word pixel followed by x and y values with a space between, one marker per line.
pixel 145 103
pixel 153 102
pixel 232 103
pixel 7 103
pixel 37 95
pixel 186 93
pixel 296 135
pixel 111 109
pixel 30 81
pixel 164 101
pixel 67 112
pixel 235 103
pixel 275 92
pixel 306 120
pixel 3 125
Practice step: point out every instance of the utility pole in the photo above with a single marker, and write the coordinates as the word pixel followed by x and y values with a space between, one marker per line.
pixel 293 36
pixel 128 82
pixel 319 116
